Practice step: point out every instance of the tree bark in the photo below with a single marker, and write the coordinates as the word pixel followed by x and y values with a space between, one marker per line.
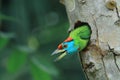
pixel 100 60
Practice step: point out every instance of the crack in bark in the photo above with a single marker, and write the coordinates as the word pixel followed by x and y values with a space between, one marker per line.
pixel 104 68
pixel 118 21
pixel 97 44
pixel 114 54
pixel 117 13
pixel 116 61
pixel 97 39
pixel 80 58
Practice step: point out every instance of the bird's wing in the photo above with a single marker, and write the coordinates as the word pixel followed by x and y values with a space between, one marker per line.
pixel 82 30
pixel 85 33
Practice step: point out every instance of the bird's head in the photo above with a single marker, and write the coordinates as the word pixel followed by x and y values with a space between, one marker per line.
pixel 67 47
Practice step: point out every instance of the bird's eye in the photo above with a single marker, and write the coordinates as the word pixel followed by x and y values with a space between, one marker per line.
pixel 64 46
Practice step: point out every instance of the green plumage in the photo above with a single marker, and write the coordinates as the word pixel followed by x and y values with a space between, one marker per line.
pixel 81 35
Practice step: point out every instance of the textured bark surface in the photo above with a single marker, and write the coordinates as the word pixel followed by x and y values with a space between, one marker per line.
pixel 101 60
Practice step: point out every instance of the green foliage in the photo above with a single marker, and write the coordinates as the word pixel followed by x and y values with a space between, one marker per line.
pixel 5 17
pixel 33 43
pixel 45 64
pixel 4 39
pixel 3 42
pixel 16 60
pixel 38 73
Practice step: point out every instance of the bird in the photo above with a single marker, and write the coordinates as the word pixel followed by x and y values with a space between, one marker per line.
pixel 77 40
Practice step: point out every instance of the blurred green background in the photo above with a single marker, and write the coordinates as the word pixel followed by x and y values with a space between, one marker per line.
pixel 30 31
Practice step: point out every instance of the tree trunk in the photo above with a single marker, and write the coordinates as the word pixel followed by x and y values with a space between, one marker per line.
pixel 101 60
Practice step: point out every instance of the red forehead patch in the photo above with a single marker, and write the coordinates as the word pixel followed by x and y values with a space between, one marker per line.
pixel 68 39
pixel 60 46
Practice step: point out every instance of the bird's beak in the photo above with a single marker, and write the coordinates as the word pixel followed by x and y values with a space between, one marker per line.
pixel 57 51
